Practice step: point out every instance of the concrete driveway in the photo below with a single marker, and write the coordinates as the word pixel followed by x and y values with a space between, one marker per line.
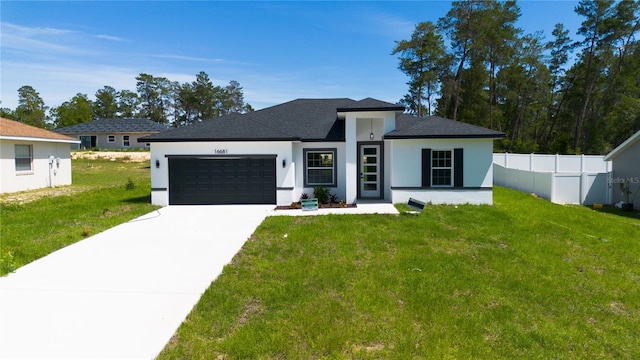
pixel 121 293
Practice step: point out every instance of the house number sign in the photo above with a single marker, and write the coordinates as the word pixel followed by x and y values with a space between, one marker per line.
pixel 220 151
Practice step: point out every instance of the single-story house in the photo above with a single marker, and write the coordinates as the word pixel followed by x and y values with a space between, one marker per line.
pixel 625 166
pixel 33 158
pixel 360 150
pixel 112 133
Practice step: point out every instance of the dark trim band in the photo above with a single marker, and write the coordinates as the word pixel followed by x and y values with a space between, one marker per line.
pixel 223 156
pixel 438 188
pixel 158 189
pixel 285 188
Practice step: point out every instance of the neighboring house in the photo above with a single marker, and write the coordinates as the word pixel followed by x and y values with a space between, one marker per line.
pixel 360 150
pixel 32 158
pixel 112 133
pixel 626 167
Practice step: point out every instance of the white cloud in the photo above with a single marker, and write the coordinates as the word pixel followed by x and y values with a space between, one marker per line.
pixel 389 25
pixel 112 38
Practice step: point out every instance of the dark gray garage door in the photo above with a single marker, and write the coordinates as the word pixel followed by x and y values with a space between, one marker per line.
pixel 202 181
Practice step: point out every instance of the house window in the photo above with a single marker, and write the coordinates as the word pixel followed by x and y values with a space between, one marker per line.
pixel 320 167
pixel 441 168
pixel 111 138
pixel 125 140
pixel 24 157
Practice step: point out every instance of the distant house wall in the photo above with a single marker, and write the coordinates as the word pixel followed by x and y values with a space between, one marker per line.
pixel 42 174
pixel 102 140
pixel 626 166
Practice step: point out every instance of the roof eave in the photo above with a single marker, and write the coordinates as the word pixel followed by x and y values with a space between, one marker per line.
pixel 365 109
pixel 622 147
pixel 405 137
pixel 29 138
pixel 143 140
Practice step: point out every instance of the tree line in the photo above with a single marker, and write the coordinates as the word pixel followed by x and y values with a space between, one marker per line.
pixel 156 98
pixel 475 65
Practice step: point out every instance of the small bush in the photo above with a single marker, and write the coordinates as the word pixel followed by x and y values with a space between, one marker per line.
pixel 333 198
pixel 130 185
pixel 321 193
pixel 304 196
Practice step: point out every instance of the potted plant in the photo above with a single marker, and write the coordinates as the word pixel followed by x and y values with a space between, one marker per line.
pixel 626 194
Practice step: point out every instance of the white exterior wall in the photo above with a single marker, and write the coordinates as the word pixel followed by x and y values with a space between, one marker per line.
pixel 42 175
pixel 340 161
pixel 406 172
pixel 285 176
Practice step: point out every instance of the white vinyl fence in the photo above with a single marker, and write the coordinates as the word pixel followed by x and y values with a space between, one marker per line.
pixel 562 179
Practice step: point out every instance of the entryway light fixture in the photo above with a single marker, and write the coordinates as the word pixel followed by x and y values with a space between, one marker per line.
pixel 284 162
pixel 371 133
pixel 157 164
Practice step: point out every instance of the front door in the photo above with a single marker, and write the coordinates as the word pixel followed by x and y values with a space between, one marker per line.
pixel 370 166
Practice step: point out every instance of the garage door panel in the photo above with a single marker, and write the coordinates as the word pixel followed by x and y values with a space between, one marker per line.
pixel 221 181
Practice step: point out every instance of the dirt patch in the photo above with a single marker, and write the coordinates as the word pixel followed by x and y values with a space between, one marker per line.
pixel 24 197
pixel 127 156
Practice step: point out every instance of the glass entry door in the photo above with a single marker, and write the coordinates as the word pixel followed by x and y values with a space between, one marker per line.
pixel 370 171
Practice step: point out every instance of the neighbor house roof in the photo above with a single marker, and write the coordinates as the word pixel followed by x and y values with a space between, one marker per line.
pixel 313 120
pixel 114 126
pixel 13 130
pixel 624 146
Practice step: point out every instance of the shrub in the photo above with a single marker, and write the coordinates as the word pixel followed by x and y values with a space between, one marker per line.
pixel 333 198
pixel 304 196
pixel 321 193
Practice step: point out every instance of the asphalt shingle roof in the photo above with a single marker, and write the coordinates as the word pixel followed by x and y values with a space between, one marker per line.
pixel 370 104
pixel 314 120
pixel 413 127
pixel 114 126
pixel 11 128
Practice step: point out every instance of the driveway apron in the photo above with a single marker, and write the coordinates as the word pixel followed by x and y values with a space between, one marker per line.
pixel 124 292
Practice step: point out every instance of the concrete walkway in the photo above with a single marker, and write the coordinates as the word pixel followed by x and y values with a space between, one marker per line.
pixel 122 294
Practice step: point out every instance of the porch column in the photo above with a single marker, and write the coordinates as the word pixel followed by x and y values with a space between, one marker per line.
pixel 351 158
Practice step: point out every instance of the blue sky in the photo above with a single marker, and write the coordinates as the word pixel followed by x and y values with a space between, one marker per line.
pixel 278 51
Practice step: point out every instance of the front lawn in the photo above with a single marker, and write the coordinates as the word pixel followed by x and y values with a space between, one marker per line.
pixel 104 194
pixel 522 279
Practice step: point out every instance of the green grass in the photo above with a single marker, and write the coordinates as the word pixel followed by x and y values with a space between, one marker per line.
pixel 99 200
pixel 522 279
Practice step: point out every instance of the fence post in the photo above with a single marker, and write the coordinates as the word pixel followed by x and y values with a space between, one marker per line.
pixel 531 162
pixel 557 160
pixel 506 159
pixel 581 162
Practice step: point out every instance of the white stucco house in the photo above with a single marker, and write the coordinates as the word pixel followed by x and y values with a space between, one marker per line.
pixel 33 158
pixel 360 150
pixel 112 133
pixel 625 164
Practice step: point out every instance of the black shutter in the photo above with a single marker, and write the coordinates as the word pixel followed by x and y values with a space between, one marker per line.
pixel 426 167
pixel 458 173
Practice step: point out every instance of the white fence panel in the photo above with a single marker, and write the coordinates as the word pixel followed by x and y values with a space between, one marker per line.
pixel 562 179
pixel 544 163
pixel 566 189
pixel 598 188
